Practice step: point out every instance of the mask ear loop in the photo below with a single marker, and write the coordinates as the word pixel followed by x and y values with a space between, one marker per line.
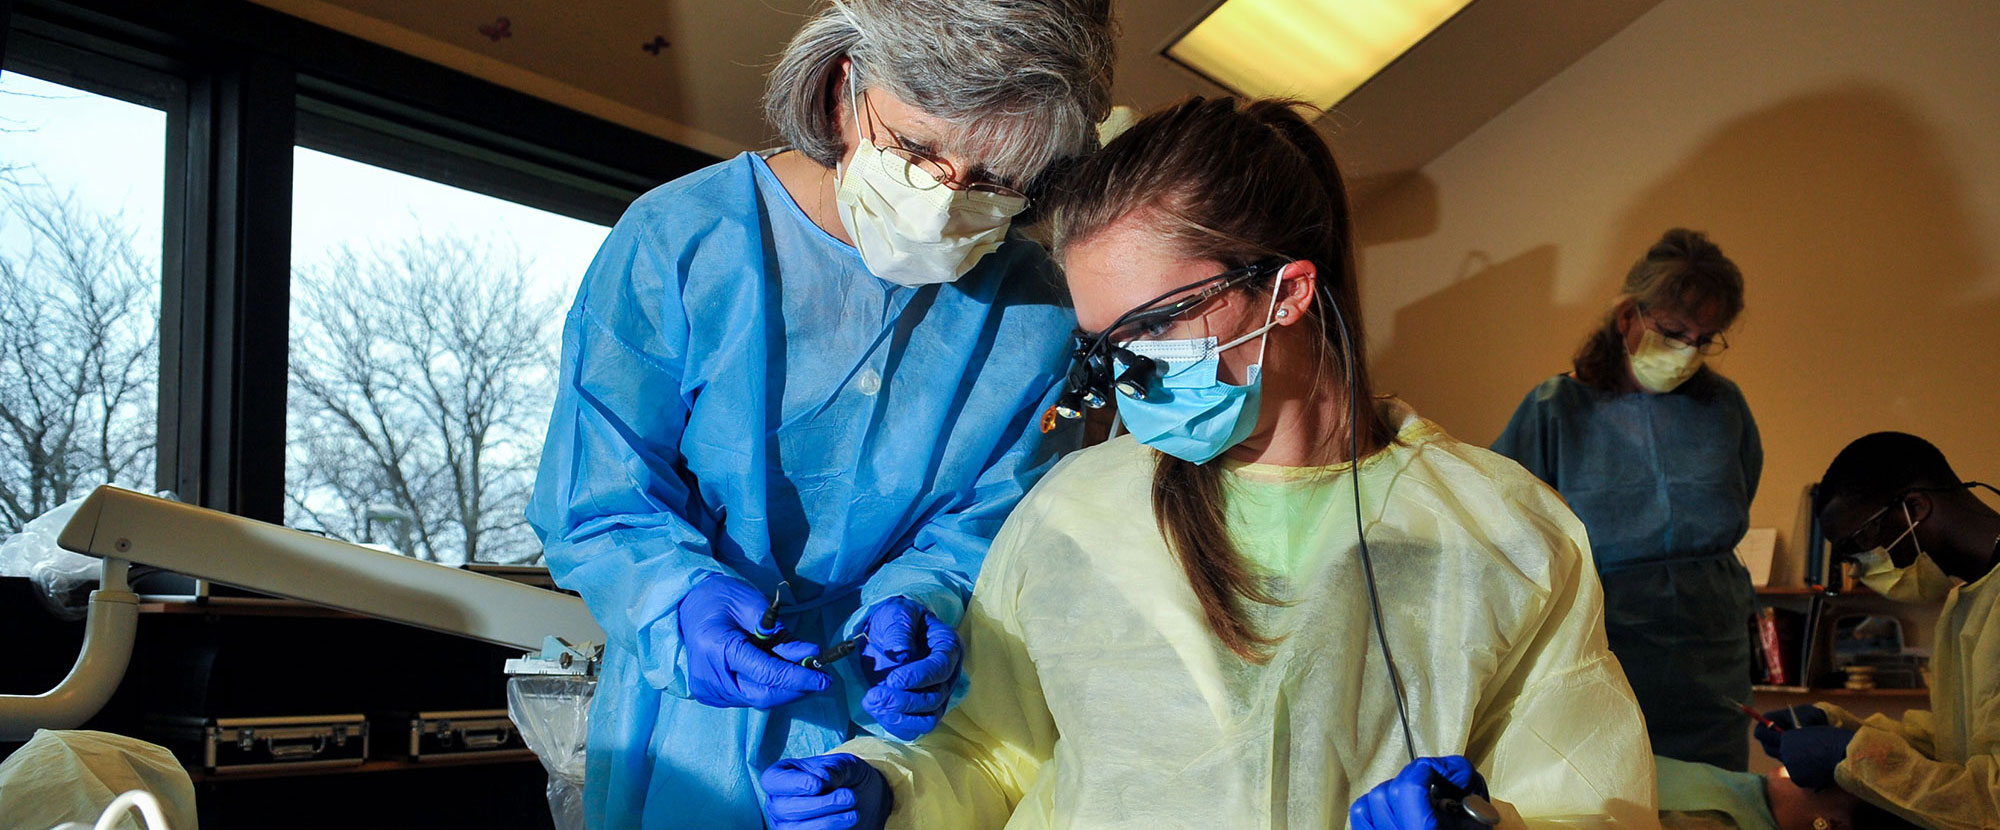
pixel 1910 520
pixel 1270 317
pixel 854 111
pixel 1270 322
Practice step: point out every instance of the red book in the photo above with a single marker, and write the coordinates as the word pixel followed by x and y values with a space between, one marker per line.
pixel 1767 636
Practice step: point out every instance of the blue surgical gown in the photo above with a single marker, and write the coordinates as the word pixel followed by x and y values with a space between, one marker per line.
pixel 740 396
pixel 1663 485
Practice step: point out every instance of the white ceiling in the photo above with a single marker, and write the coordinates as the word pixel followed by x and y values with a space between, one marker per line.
pixel 703 88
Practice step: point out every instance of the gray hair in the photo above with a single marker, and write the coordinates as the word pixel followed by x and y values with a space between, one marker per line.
pixel 1025 81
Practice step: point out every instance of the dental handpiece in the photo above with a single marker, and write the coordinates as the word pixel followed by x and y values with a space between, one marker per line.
pixel 833 655
pixel 767 628
pixel 1456 807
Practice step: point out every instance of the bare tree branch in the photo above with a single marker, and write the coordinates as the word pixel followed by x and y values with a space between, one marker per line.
pixel 421 376
pixel 422 373
pixel 79 340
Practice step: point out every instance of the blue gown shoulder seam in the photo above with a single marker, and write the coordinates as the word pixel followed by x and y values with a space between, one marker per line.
pixel 666 197
pixel 589 317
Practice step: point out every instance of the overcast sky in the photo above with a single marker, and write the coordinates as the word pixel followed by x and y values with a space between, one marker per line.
pixel 112 155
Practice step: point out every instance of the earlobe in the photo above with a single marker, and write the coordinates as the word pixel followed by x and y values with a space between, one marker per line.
pixel 843 72
pixel 847 122
pixel 1627 312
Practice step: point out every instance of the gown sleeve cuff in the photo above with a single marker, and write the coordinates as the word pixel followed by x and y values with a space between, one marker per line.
pixel 851 671
pixel 663 657
pixel 1837 716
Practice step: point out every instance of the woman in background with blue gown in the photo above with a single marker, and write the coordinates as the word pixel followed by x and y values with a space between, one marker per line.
pixel 815 374
pixel 1659 457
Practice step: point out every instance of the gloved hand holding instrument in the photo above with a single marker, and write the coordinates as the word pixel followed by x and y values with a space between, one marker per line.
pixel 738 654
pixel 1772 726
pixel 771 633
pixel 1429 794
pixel 911 662
pixel 1805 741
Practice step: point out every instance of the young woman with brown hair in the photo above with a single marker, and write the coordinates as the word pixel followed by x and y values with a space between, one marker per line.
pixel 1184 627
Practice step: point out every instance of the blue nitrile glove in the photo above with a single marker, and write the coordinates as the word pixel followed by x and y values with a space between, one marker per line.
pixel 1810 754
pixel 1404 802
pixel 826 792
pixel 911 663
pixel 726 668
pixel 1790 717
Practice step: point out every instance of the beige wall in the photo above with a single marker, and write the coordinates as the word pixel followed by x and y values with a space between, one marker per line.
pixel 1845 154
pixel 702 90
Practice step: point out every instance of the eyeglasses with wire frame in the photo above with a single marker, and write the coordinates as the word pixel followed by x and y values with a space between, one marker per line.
pixel 939 171
pixel 1709 346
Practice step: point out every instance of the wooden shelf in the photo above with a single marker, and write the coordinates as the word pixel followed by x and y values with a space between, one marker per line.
pixel 1838 692
pixel 1804 591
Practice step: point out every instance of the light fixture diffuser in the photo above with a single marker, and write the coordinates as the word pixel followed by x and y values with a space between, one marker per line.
pixel 1318 51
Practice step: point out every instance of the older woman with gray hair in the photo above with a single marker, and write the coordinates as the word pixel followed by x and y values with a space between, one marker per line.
pixel 801 390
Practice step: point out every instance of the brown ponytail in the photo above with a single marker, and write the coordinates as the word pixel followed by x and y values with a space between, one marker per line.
pixel 1188 499
pixel 1237 184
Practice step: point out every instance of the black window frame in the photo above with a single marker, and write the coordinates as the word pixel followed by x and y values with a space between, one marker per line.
pixel 242 85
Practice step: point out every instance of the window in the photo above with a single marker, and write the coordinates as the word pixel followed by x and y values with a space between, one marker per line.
pixel 81 221
pixel 256 194
pixel 425 331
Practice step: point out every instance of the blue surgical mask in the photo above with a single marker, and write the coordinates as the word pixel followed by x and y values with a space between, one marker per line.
pixel 1189 412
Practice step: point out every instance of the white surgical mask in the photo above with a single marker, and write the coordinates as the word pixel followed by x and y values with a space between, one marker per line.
pixel 1661 364
pixel 910 228
pixel 1922 581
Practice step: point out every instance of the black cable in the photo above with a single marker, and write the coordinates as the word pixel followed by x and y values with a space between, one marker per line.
pixel 1360 531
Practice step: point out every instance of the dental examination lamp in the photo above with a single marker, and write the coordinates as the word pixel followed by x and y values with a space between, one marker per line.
pixel 123 527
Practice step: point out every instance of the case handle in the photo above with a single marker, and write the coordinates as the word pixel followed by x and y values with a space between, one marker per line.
pixel 295 749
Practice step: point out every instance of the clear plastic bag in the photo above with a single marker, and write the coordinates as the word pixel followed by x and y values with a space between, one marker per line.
pixel 63 579
pixel 59 576
pixel 553 714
